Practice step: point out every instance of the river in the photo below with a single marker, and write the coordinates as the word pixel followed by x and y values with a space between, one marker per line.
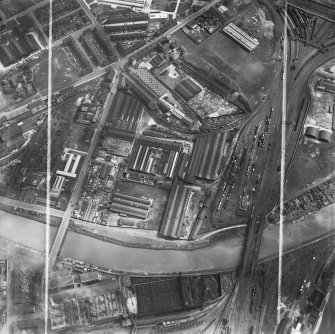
pixel 221 256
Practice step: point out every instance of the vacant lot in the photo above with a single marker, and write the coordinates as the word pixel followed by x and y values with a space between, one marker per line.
pixel 63 72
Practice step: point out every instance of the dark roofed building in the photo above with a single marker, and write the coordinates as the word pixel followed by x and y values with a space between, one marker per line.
pixel 11 132
pixel 13 52
pixel 158 295
pixel 25 22
pixel 28 125
pixel 174 213
pixel 188 89
pixel 105 170
pixel 206 156
pixel 32 42
pixel 157 60
pixel 132 206
pixel 15 143
pixel 125 112
pixel 23 47
pixel 5 60
pixel 3 150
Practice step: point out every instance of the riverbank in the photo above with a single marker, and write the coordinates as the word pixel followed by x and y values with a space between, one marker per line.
pixel 40 217
pixel 136 238
pixel 219 256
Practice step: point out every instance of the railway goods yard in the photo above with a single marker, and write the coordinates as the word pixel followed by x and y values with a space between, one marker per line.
pixel 176 172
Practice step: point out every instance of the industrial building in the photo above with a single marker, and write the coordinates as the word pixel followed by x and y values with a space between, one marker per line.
pixel 61 282
pixel 126 24
pixel 125 112
pixel 18 46
pixel 139 4
pixel 174 110
pixel 57 186
pixel 240 37
pixel 326 85
pixel 175 211
pixel 188 88
pixel 154 156
pixel 12 137
pixel 312 132
pixel 206 157
pixel 71 166
pixel 325 136
pixel 132 206
pixel 90 277
pixel 158 295
pixel 150 81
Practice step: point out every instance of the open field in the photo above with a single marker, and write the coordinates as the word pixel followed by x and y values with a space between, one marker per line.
pixel 63 72
pixel 253 71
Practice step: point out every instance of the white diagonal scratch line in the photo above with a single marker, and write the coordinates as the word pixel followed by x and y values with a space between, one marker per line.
pixel 47 230
pixel 282 165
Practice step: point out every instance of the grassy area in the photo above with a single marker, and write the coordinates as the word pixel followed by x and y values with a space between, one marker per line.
pixel 63 72
pixel 218 54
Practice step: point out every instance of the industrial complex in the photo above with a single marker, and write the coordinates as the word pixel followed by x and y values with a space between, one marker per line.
pixel 167 166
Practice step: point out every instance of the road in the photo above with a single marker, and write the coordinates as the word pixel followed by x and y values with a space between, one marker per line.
pixel 81 178
pixel 30 206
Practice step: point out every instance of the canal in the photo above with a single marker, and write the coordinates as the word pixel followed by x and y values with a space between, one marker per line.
pixel 222 255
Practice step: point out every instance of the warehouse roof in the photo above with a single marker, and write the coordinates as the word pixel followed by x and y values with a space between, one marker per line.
pixel 188 89
pixel 206 156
